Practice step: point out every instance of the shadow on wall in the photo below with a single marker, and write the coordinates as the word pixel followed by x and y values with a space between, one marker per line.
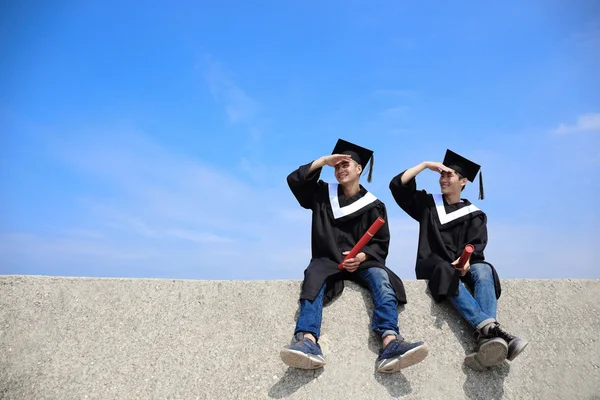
pixel 292 380
pixel 396 384
pixel 488 384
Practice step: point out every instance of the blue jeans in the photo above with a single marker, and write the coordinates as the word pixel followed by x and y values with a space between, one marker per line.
pixel 385 311
pixel 479 308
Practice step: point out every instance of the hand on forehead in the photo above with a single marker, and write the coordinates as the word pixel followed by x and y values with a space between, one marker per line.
pixel 343 158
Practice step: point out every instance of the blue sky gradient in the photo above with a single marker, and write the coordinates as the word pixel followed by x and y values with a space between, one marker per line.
pixel 153 139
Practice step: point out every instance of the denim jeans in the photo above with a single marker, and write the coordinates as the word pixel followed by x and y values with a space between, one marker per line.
pixel 385 311
pixel 479 308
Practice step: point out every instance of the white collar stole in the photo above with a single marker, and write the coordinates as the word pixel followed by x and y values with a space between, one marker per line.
pixel 441 210
pixel 339 212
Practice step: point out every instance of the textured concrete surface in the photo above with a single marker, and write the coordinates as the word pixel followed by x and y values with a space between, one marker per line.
pixel 76 338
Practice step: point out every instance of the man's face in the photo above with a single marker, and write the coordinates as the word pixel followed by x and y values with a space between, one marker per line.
pixel 347 171
pixel 451 183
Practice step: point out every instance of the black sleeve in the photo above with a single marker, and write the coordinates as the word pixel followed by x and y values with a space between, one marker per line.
pixel 477 236
pixel 414 202
pixel 305 187
pixel 377 247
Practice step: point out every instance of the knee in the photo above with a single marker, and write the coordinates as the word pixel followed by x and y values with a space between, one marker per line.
pixel 378 274
pixel 482 272
pixel 380 281
pixel 380 277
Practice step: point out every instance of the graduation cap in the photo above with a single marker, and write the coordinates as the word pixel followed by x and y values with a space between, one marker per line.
pixel 465 167
pixel 357 153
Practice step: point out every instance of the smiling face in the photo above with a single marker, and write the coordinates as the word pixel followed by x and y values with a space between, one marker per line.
pixel 347 171
pixel 451 183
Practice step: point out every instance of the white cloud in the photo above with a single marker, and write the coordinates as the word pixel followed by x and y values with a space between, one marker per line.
pixel 585 123
pixel 588 38
pixel 396 93
pixel 199 237
pixel 395 112
pixel 165 214
pixel 151 212
pixel 239 106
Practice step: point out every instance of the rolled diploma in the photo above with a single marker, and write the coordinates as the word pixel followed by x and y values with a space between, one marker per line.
pixel 363 241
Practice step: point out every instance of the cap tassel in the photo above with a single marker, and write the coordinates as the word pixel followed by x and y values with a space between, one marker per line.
pixel 370 176
pixel 480 186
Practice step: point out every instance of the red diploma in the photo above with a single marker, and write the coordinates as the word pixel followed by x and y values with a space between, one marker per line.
pixel 363 241
pixel 464 257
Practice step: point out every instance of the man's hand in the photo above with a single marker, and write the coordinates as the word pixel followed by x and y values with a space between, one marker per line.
pixel 352 264
pixel 462 271
pixel 436 166
pixel 334 159
pixel 331 160
pixel 411 173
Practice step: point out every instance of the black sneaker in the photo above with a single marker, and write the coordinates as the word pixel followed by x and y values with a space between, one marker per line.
pixel 515 344
pixel 302 353
pixel 490 351
pixel 399 354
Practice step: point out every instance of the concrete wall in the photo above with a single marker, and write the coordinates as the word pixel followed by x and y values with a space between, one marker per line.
pixel 77 338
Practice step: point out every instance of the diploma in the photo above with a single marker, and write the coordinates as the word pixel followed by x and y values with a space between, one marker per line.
pixel 363 241
pixel 465 256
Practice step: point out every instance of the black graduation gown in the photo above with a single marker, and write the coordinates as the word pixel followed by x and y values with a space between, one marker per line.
pixel 337 225
pixel 444 230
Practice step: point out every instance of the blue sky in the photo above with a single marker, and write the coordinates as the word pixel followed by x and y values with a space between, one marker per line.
pixel 153 139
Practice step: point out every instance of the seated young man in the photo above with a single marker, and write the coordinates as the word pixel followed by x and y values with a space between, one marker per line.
pixel 341 215
pixel 447 224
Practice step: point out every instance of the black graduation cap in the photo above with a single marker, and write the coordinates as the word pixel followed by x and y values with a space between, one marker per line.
pixel 465 167
pixel 357 153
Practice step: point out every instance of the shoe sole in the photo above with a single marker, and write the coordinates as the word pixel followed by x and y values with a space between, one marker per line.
pixel 492 352
pixel 517 349
pixel 411 357
pixel 298 359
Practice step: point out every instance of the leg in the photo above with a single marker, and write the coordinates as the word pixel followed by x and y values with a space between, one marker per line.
pixel 485 294
pixel 484 288
pixel 489 351
pixel 469 308
pixel 311 315
pixel 398 353
pixel 385 304
pixel 303 352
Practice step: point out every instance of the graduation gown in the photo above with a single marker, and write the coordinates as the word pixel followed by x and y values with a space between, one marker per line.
pixel 337 225
pixel 444 230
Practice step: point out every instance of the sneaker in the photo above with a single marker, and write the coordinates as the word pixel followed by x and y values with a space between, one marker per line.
pixel 399 354
pixel 515 344
pixel 302 353
pixel 489 352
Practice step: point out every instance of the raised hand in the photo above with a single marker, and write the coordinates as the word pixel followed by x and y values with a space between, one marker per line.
pixel 334 159
pixel 436 166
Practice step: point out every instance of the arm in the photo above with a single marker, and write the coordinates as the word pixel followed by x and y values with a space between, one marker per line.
pixel 411 173
pixel 404 188
pixel 304 182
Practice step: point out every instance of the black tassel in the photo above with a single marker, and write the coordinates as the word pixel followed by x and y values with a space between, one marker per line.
pixel 371 168
pixel 480 186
